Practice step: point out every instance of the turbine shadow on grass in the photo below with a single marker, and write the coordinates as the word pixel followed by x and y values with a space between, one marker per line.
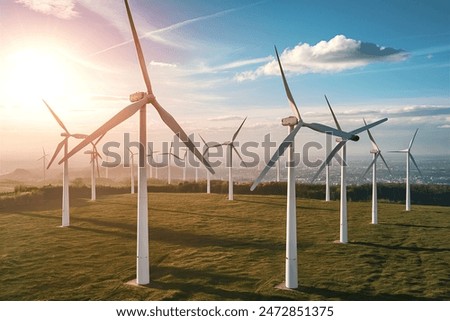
pixel 358 296
pixel 413 225
pixel 215 281
pixel 283 205
pixel 201 240
pixel 401 247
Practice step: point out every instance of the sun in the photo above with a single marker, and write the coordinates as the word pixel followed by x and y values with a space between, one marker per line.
pixel 36 73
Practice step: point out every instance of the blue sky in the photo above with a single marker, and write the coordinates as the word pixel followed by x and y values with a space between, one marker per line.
pixel 212 63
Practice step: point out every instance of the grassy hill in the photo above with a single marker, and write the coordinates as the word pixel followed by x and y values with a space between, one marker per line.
pixel 204 247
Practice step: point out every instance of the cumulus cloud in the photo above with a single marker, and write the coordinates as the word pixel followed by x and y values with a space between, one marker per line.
pixel 338 54
pixel 63 9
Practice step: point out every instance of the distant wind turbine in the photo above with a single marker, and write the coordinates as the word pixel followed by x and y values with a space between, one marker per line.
pixel 343 235
pixel 294 123
pixel 95 155
pixel 376 152
pixel 151 154
pixel 63 144
pixel 132 170
pixel 208 174
pixel 170 154
pixel 44 162
pixel 231 147
pixel 408 157
pixel 140 101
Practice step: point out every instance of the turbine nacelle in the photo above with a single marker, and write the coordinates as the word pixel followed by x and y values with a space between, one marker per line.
pixel 139 95
pixel 289 121
pixel 354 138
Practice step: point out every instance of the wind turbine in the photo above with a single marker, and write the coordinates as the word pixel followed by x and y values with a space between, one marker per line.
pixel 408 157
pixel 294 123
pixel 208 174
pixel 63 144
pixel 132 169
pixel 343 234
pixel 170 154
pixel 140 101
pixel 44 161
pixel 376 152
pixel 95 155
pixel 150 154
pixel 231 147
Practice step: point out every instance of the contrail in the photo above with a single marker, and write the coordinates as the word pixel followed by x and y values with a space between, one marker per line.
pixel 179 25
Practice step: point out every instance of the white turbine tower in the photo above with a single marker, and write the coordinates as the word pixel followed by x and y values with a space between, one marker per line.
pixel 294 124
pixel 141 100
pixel 63 144
pixel 231 147
pixel 408 157
pixel 132 169
pixel 343 234
pixel 95 155
pixel 376 152
pixel 44 162
pixel 208 174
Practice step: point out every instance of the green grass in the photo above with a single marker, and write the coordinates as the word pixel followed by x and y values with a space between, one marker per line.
pixel 204 247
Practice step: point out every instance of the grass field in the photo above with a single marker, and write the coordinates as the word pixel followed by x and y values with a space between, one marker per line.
pixel 204 247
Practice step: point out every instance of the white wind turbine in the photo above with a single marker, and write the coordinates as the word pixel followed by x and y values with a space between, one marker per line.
pixel 140 101
pixel 95 155
pixel 44 162
pixel 408 157
pixel 376 152
pixel 63 144
pixel 151 154
pixel 132 169
pixel 170 154
pixel 208 174
pixel 294 123
pixel 231 147
pixel 343 234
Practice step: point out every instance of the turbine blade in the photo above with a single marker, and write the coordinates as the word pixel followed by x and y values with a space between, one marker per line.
pixel 374 144
pixel 288 91
pixel 332 113
pixel 176 128
pixel 361 129
pixel 79 136
pixel 238 130
pixel 139 50
pixel 414 161
pixel 56 118
pixel 398 151
pixel 121 116
pixel 329 130
pixel 385 164
pixel 204 142
pixel 412 140
pixel 279 152
pixel 98 167
pixel 57 150
pixel 370 165
pixel 239 155
pixel 329 158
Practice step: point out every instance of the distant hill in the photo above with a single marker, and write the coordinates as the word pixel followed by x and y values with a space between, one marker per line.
pixel 20 175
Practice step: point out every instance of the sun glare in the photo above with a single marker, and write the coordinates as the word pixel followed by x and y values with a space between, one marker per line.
pixel 36 73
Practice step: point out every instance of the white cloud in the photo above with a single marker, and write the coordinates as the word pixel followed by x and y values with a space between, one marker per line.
pixel 336 55
pixel 162 64
pixel 63 9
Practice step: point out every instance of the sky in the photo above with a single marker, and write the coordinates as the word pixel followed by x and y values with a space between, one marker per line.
pixel 212 63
